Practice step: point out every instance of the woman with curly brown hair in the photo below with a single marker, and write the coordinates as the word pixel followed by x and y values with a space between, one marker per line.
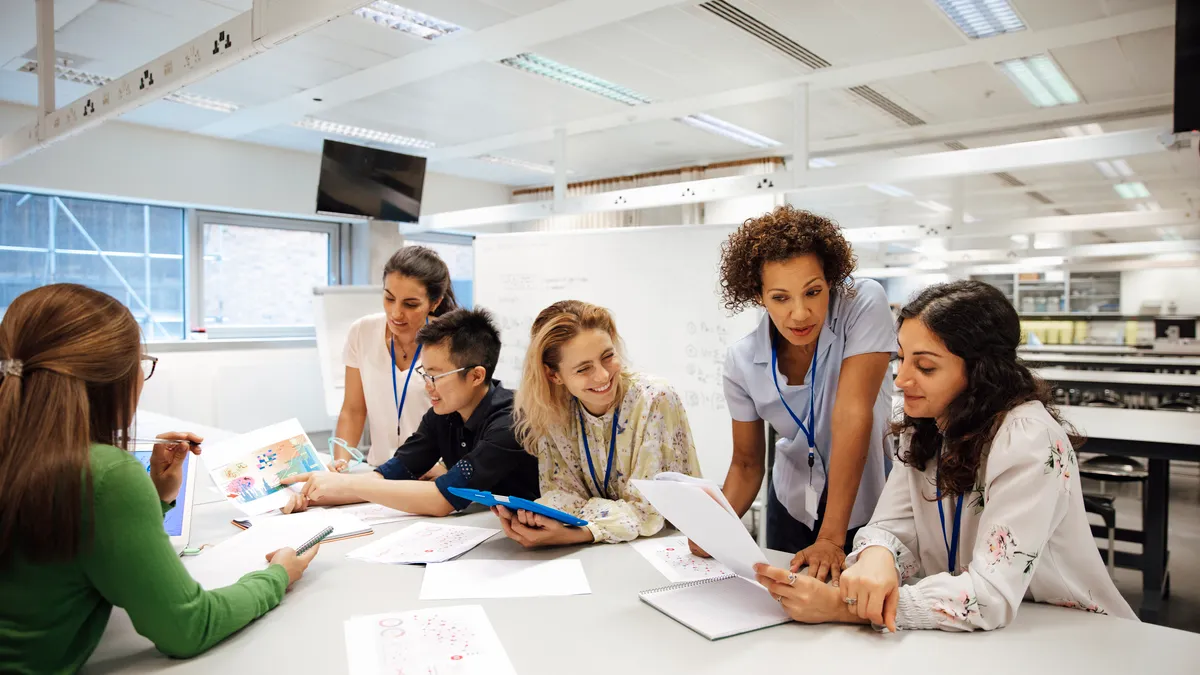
pixel 814 369
pixel 987 509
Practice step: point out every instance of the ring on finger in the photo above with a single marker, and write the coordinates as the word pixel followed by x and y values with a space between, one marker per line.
pixel 850 601
pixel 778 598
pixel 792 579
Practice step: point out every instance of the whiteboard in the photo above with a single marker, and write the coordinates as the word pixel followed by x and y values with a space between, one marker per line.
pixel 662 286
pixel 334 309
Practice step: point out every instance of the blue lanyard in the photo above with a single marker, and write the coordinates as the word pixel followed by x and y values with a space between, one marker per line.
pixel 810 432
pixel 612 451
pixel 952 543
pixel 399 398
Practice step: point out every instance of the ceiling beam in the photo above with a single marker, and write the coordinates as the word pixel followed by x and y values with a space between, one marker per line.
pixel 267 24
pixel 1051 152
pixel 1154 262
pixel 449 53
pixel 1119 220
pixel 1011 255
pixel 999 48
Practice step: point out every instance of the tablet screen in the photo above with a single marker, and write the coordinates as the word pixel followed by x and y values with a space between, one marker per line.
pixel 173 521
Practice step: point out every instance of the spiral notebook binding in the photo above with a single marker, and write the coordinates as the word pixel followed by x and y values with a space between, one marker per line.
pixel 688 584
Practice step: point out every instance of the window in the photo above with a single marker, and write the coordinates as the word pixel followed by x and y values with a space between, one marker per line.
pixel 458 252
pixel 259 273
pixel 133 252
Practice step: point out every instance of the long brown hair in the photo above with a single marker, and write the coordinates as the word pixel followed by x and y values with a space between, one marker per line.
pixel 78 353
pixel 978 324
pixel 542 406
pixel 426 266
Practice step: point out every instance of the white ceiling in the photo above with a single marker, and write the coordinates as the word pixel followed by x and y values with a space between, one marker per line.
pixel 665 54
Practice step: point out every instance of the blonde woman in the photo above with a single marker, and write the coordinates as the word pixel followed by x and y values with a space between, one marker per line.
pixel 594 427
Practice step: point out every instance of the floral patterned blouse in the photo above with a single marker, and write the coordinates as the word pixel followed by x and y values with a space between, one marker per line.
pixel 653 436
pixel 1024 535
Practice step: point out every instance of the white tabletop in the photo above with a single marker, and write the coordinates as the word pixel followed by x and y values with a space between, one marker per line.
pixel 1155 361
pixel 1128 424
pixel 1117 377
pixel 612 631
pixel 1077 349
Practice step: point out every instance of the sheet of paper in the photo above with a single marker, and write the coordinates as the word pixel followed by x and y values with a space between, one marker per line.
pixel 344 524
pixel 249 468
pixel 700 518
pixel 423 542
pixel 708 486
pixel 375 514
pixel 470 579
pixel 672 557
pixel 246 551
pixel 435 641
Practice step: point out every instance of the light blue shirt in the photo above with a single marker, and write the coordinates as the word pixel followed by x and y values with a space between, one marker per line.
pixel 861 324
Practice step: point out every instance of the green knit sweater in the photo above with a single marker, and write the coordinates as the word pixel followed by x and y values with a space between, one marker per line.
pixel 52 615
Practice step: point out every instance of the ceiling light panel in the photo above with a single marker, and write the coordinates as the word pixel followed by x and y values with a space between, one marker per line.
pixel 407 20
pixel 1132 190
pixel 1040 80
pixel 351 131
pixel 731 131
pixel 982 18
pixel 936 207
pixel 549 68
pixel 889 190
pixel 519 164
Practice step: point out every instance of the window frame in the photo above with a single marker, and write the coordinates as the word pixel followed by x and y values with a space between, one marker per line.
pixel 194 267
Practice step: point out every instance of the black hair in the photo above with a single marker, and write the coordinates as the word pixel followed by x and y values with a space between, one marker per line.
pixel 473 337
pixel 978 324
pixel 426 266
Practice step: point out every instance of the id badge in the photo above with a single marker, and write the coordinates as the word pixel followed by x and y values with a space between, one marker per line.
pixel 811 499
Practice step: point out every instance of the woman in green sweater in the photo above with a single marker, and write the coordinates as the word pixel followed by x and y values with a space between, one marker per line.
pixel 80 522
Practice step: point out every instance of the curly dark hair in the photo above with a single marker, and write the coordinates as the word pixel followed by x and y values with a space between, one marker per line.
pixel 978 324
pixel 778 236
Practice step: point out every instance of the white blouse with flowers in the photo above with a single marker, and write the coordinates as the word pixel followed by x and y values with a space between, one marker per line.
pixel 1024 535
pixel 653 436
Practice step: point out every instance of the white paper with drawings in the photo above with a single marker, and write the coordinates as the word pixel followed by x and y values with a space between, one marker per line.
pixel 699 517
pixel 344 524
pixel 672 557
pixel 246 551
pixel 375 514
pixel 422 543
pixel 248 468
pixel 449 640
pixel 470 579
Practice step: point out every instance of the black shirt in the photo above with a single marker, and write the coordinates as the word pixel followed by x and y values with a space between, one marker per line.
pixel 481 453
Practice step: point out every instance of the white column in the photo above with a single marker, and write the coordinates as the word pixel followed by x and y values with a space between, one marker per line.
pixel 560 165
pixel 45 56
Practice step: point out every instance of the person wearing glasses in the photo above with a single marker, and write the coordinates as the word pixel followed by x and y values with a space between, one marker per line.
pixel 381 355
pixel 81 519
pixel 468 428
pixel 594 426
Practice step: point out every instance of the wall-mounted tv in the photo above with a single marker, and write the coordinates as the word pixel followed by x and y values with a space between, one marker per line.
pixel 1187 66
pixel 377 184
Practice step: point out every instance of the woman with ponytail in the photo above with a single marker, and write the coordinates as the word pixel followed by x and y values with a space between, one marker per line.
pixel 81 522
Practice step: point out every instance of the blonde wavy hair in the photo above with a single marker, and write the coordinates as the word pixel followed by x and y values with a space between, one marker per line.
pixel 542 406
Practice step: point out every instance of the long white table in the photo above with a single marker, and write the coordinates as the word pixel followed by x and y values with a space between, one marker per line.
pixel 1122 380
pixel 1077 349
pixel 1140 362
pixel 611 630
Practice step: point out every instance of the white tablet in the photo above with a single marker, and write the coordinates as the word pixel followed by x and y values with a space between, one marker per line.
pixel 178 521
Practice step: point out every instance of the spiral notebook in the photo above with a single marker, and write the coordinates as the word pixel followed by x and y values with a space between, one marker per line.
pixel 718 607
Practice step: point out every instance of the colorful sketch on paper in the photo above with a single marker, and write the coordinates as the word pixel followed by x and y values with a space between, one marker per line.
pixel 260 472
pixel 672 557
pixel 423 543
pixel 435 641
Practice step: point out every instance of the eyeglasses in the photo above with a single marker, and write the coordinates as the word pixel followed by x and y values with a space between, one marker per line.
pixel 431 380
pixel 149 363
pixel 356 456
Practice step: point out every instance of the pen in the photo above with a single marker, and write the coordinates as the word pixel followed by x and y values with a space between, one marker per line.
pixel 160 441
pixel 318 538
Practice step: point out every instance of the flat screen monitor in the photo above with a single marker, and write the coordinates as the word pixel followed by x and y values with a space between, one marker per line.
pixel 1175 328
pixel 367 182
pixel 1187 66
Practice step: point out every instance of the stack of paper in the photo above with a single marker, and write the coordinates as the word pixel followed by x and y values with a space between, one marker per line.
pixel 457 640
pixel 375 514
pixel 422 543
pixel 246 551
pixel 463 579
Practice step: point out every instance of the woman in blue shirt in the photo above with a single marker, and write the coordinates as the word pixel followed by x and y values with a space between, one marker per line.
pixel 814 369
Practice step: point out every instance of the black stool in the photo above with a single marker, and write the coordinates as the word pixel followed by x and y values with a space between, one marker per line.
pixel 1102 506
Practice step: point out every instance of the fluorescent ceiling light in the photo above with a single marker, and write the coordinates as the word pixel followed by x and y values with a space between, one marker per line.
pixel 518 164
pixel 1122 167
pixel 731 131
pixel 197 101
pixel 1169 234
pixel 820 163
pixel 549 68
pixel 407 20
pixel 1085 130
pixel 1021 240
pixel 982 18
pixel 889 190
pixel 934 206
pixel 1040 80
pixel 1132 190
pixel 1107 169
pixel 1148 206
pixel 351 131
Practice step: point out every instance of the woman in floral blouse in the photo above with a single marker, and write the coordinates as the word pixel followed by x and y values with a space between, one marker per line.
pixel 983 451
pixel 594 427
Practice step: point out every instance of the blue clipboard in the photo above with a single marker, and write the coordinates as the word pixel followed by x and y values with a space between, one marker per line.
pixel 489 499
